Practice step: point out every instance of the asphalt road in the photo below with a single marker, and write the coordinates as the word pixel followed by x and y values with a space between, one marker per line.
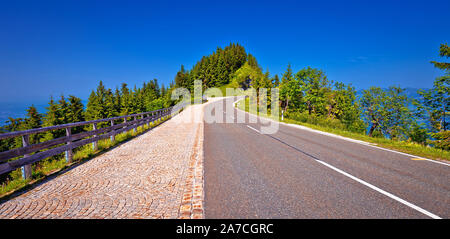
pixel 296 173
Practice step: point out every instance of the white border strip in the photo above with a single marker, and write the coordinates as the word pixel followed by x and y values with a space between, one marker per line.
pixel 382 191
pixel 344 138
pixel 390 195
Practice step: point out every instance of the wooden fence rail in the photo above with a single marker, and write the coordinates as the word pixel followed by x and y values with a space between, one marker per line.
pixel 67 143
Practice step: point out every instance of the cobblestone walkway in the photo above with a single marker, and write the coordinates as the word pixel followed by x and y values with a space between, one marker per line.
pixel 156 175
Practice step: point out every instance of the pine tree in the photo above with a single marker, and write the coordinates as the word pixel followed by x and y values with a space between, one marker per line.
pixel 252 62
pixel 434 104
pixel 93 108
pixel 117 101
pixel 75 113
pixel 33 121
pixel 289 89
pixel 109 107
pixel 51 118
pixel 63 111
pixel 276 81
pixel 125 108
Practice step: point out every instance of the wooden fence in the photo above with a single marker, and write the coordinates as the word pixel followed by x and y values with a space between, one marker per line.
pixel 67 143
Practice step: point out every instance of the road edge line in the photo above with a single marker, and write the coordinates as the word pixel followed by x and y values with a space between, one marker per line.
pixel 343 137
pixel 392 196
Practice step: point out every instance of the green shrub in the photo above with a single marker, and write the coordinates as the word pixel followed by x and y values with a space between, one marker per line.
pixel 441 140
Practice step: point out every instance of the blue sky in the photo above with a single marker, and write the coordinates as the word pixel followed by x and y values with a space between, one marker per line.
pixel 67 47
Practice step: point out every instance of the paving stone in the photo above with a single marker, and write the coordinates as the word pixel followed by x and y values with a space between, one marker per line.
pixel 155 175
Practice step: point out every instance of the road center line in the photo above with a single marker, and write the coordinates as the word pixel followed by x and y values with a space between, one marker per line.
pixel 382 191
pixel 417 208
pixel 345 138
pixel 390 195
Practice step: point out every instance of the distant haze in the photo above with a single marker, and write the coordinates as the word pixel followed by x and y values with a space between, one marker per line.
pixel 18 109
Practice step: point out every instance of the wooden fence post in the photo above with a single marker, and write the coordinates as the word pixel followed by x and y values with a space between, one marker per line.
pixel 95 143
pixel 135 124
pixel 112 138
pixel 69 152
pixel 148 121
pixel 26 170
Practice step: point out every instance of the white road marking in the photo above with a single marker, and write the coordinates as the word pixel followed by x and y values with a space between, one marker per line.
pixel 360 142
pixel 382 191
pixel 392 196
pixel 348 139
pixel 410 155
pixel 253 129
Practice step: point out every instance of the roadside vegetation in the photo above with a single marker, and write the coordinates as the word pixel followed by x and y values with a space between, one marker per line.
pixel 58 163
pixel 102 103
pixel 386 117
pixel 401 146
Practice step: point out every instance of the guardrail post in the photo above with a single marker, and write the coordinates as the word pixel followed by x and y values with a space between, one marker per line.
pixel 135 124
pixel 26 170
pixel 95 143
pixel 69 152
pixel 148 121
pixel 113 137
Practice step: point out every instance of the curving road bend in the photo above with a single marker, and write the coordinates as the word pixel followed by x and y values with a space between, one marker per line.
pixel 297 173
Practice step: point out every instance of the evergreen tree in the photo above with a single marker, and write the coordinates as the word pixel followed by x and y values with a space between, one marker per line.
pixel 126 107
pixel 63 111
pixel 181 79
pixel 33 121
pixel 117 101
pixel 214 70
pixel 276 81
pixel 290 90
pixel 434 104
pixel 93 107
pixel 13 124
pixel 75 113
pixel 252 62
pixel 51 118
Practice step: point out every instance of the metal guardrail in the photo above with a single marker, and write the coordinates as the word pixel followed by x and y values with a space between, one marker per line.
pixel 70 141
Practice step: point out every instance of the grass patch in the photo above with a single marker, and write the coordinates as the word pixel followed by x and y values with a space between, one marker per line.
pixel 58 163
pixel 401 146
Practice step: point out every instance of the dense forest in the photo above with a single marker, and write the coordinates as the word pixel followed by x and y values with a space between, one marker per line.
pixel 102 103
pixel 306 96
